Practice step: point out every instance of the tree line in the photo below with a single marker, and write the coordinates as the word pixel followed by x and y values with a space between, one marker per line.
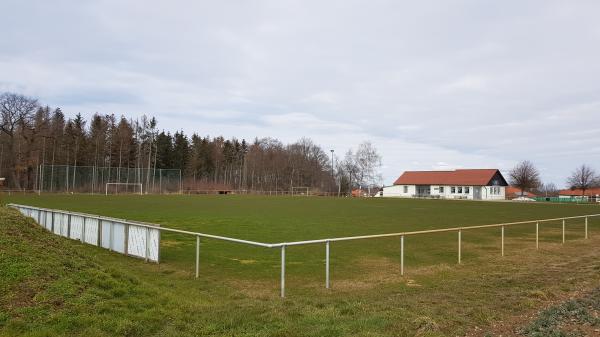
pixel 526 177
pixel 32 134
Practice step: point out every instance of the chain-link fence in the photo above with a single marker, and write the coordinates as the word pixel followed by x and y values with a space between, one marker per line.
pixel 94 179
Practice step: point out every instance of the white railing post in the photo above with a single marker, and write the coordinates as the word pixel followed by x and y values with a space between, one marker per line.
pixel 537 235
pixel 197 256
pixel 282 271
pixel 502 240
pixel 402 255
pixel 327 265
pixel 459 245
pixel 563 231
pixel 586 227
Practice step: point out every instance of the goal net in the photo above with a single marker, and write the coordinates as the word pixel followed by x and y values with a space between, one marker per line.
pixel 300 190
pixel 126 188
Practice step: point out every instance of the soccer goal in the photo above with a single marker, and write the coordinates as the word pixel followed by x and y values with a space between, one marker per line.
pixel 300 190
pixel 116 188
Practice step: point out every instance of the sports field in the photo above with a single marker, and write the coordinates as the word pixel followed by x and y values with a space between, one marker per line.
pixel 367 294
pixel 286 219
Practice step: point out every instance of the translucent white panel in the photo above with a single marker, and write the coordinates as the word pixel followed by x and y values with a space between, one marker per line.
pixel 91 231
pixel 118 237
pixel 64 224
pixel 136 245
pixel 106 234
pixel 76 227
pixel 138 240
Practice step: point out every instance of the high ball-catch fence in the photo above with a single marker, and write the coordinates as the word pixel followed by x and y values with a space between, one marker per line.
pixel 101 180
pixel 143 240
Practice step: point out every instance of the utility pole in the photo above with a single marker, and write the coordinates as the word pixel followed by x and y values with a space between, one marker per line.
pixel 332 177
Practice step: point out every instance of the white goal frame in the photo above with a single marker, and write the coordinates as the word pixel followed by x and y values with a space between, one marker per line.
pixel 306 190
pixel 126 184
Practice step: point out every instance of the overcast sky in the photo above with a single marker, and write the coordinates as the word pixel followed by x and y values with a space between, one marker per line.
pixel 446 84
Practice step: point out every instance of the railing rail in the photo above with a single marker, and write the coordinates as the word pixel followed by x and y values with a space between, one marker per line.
pixel 282 246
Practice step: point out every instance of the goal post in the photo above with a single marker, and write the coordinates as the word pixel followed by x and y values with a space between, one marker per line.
pixel 300 190
pixel 127 185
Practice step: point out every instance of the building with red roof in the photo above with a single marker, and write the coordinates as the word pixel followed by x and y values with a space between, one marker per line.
pixel 513 192
pixel 591 194
pixel 476 184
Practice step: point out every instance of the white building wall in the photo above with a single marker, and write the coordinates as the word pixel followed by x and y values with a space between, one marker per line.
pixel 486 192
pixel 398 191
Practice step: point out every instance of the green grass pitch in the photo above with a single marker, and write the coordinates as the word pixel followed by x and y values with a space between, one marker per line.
pixel 286 219
pixel 53 286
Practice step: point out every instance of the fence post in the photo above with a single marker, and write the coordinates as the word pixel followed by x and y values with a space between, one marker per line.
pixel 83 230
pixel 402 255
pixel 327 265
pixel 586 227
pixel 563 231
pixel 282 271
pixel 126 239
pixel 111 236
pixel 99 233
pixel 147 253
pixel 69 225
pixel 197 255
pixel 459 245
pixel 502 240
pixel 52 221
pixel 537 235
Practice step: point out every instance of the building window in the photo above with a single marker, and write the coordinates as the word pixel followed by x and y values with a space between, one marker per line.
pixel 441 189
pixel 405 189
pixel 467 189
pixel 459 189
pixel 452 189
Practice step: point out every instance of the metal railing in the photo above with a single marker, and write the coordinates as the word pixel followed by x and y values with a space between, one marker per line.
pixel 282 246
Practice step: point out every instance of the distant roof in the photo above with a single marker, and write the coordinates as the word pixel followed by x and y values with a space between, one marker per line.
pixel 473 177
pixel 578 192
pixel 511 190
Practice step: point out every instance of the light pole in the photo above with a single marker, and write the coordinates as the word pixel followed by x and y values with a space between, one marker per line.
pixel 332 177
pixel 43 169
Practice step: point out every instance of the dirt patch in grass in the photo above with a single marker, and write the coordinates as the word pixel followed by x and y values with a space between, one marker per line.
pixel 574 315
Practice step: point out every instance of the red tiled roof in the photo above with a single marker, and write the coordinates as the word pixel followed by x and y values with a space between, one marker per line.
pixel 473 177
pixel 577 192
pixel 515 191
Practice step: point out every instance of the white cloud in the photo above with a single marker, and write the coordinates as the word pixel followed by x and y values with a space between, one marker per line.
pixel 462 84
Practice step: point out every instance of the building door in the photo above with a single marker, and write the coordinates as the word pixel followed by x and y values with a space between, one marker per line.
pixel 423 190
pixel 477 192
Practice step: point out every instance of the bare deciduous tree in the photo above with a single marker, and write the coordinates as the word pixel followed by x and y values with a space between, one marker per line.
pixel 368 161
pixel 15 110
pixel 16 113
pixel 525 176
pixel 548 190
pixel 583 178
pixel 32 136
